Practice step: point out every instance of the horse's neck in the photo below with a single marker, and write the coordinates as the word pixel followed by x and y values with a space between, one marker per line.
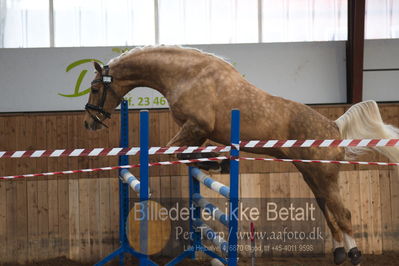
pixel 161 72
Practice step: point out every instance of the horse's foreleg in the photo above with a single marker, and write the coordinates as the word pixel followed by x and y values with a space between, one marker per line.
pixel 191 134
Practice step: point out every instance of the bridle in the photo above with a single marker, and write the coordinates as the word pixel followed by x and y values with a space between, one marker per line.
pixel 106 80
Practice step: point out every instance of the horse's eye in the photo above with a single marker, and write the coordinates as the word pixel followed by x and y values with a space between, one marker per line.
pixel 94 90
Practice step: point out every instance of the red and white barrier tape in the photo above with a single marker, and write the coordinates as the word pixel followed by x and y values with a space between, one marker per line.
pixel 196 161
pixel 320 143
pixel 197 149
pixel 109 151
pixel 114 168
pixel 319 161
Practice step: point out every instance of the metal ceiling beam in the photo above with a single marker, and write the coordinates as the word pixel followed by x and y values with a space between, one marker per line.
pixel 355 50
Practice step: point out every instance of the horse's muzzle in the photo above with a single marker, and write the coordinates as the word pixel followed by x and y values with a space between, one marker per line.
pixel 92 125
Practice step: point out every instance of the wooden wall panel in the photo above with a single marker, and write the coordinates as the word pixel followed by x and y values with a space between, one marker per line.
pixel 3 220
pixel 375 205
pixel 10 142
pixel 73 217
pixel 114 212
pixel 3 194
pixel 84 219
pixel 394 193
pixel 104 220
pixel 77 215
pixel 386 213
pixel 33 219
pixel 113 141
pixel 73 191
pixel 94 218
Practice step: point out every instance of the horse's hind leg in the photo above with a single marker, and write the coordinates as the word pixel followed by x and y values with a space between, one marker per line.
pixel 323 181
pixel 343 217
pixel 337 235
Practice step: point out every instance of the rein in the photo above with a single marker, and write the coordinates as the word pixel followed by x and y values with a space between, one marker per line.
pixel 106 80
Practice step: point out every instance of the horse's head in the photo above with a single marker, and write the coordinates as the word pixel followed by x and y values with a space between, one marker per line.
pixel 102 100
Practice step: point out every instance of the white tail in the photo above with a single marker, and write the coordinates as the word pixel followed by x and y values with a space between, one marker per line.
pixel 363 121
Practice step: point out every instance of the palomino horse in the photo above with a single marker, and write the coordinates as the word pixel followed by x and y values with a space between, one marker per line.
pixel 201 89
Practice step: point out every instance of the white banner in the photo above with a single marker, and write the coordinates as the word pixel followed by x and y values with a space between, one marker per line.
pixel 58 79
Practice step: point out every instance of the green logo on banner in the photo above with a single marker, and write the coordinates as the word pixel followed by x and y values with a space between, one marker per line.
pixel 77 92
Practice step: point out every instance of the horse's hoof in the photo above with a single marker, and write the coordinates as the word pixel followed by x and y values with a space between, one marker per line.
pixel 213 167
pixel 339 255
pixel 355 255
pixel 225 167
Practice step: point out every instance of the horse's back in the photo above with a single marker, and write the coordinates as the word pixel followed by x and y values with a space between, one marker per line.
pixel 267 117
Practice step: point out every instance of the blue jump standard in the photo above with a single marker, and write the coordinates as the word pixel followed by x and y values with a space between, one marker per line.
pixel 124 190
pixel 195 199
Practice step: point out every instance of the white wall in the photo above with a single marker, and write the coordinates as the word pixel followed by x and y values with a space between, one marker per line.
pixel 306 72
pixel 311 72
pixel 30 79
pixel 381 85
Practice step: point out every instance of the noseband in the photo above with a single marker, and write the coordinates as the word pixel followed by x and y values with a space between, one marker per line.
pixel 106 80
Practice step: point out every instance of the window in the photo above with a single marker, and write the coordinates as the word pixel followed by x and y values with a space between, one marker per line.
pixel 103 23
pixel 304 20
pixel 24 23
pixel 382 19
pixel 47 23
pixel 206 21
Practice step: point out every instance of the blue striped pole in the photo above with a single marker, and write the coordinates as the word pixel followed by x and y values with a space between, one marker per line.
pixel 211 235
pixel 211 209
pixel 210 183
pixel 130 179
pixel 234 183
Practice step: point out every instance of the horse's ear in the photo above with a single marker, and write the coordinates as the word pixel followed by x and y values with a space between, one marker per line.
pixel 98 67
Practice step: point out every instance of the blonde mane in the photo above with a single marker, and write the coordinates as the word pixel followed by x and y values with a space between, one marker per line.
pixel 153 47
